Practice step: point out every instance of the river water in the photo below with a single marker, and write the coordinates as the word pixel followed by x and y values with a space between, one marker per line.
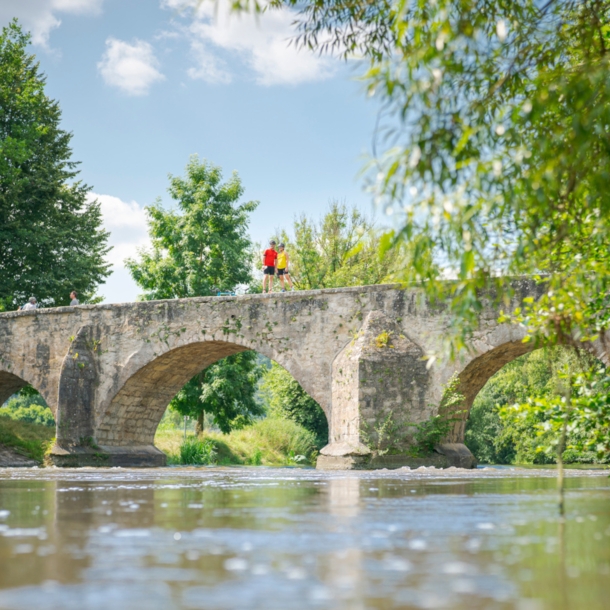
pixel 281 539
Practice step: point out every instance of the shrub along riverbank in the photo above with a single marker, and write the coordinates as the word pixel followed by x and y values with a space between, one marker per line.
pixel 24 438
pixel 499 433
pixel 267 442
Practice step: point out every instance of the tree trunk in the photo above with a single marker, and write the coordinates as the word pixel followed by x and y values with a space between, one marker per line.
pixel 200 423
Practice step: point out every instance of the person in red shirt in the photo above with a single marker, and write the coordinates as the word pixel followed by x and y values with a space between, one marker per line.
pixel 269 263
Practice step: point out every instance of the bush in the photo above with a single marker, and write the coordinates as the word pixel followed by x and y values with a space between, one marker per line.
pixel 31 440
pixel 278 440
pixel 29 408
pixel 287 400
pixel 197 452
pixel 269 442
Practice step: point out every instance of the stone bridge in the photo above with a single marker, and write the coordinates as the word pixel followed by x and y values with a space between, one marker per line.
pixel 108 372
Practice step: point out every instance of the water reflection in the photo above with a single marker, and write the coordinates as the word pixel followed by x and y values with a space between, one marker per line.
pixel 244 538
pixel 344 496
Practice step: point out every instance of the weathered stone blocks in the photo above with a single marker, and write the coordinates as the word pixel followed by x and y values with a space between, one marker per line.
pixel 379 390
pixel 109 371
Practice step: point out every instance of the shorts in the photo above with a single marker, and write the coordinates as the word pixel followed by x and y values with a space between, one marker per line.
pixel 282 271
pixel 269 270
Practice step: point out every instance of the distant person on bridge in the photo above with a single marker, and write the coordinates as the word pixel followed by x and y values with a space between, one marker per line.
pixel 269 263
pixel 282 267
pixel 74 300
pixel 31 304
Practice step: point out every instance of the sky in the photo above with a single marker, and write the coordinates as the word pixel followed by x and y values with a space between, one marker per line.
pixel 144 84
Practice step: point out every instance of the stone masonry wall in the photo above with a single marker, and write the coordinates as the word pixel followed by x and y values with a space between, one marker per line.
pixel 109 371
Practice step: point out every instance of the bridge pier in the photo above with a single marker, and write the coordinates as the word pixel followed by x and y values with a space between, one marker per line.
pixel 380 386
pixel 76 444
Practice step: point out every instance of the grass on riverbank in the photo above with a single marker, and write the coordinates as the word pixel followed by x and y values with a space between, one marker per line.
pixel 28 439
pixel 269 442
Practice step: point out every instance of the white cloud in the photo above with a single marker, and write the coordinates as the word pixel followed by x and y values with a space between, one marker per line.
pixel 262 42
pixel 42 16
pixel 126 222
pixel 133 68
pixel 208 67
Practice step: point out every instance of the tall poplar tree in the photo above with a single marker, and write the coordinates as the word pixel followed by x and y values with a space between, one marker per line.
pixel 51 237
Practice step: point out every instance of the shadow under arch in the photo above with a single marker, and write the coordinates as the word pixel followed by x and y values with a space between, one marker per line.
pixel 11 384
pixel 133 414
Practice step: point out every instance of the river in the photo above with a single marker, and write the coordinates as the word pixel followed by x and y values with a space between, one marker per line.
pixel 281 539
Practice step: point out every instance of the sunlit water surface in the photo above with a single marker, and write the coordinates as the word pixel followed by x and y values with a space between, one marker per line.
pixel 280 539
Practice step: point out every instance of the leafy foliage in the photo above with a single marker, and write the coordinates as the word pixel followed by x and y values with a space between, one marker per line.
pixel 34 414
pixel 381 436
pixel 29 408
pixel 198 249
pixel 497 433
pixel 585 412
pixel 494 124
pixel 340 250
pixel 197 452
pixel 269 442
pixel 285 398
pixel 226 390
pixel 203 246
pixel 51 237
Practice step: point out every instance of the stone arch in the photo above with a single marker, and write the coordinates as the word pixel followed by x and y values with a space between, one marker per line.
pixel 11 384
pixel 481 368
pixel 134 411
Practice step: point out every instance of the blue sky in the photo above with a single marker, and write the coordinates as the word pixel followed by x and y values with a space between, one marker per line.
pixel 143 84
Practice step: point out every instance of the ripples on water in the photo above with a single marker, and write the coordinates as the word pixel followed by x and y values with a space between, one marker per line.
pixel 299 539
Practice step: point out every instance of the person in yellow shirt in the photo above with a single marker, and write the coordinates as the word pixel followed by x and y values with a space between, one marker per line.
pixel 282 267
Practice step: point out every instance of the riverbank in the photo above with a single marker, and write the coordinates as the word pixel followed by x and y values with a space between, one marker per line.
pixel 23 443
pixel 268 442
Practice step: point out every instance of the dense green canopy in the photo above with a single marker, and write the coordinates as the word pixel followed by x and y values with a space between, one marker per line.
pixel 51 236
pixel 492 147
pixel 202 246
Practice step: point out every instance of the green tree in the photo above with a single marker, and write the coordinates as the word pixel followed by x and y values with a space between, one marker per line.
pixel 340 250
pixel 496 116
pixel 556 429
pixel 51 237
pixel 203 246
pixel 514 418
pixel 197 249
pixel 492 439
pixel 285 398
pixel 226 390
